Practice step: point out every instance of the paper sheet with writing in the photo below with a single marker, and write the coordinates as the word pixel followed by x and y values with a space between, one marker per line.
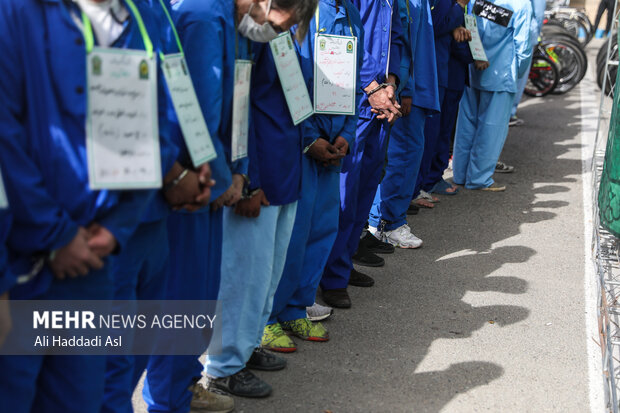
pixel 475 44
pixel 185 101
pixel 4 201
pixel 122 135
pixel 291 78
pixel 241 109
pixel 335 74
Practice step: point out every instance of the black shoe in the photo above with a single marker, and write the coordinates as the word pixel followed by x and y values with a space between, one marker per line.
pixel 360 280
pixel 413 209
pixel 243 383
pixel 372 244
pixel 262 359
pixel 366 258
pixel 338 298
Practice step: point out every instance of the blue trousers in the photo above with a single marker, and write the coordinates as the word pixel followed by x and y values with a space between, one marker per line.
pixel 58 384
pixel 253 257
pixel 521 82
pixel 139 273
pixel 449 111
pixel 481 130
pixel 314 232
pixel 359 179
pixel 405 150
pixel 195 242
pixel 431 144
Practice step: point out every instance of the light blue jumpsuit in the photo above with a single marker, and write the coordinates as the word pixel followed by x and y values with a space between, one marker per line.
pixel 254 249
pixel 362 170
pixel 316 224
pixel 538 8
pixel 207 32
pixel 42 148
pixel 482 124
pixel 406 144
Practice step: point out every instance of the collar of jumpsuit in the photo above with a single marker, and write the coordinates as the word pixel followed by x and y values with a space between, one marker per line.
pixel 106 17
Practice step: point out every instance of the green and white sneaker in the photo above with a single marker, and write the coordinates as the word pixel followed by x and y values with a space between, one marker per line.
pixel 275 339
pixel 306 329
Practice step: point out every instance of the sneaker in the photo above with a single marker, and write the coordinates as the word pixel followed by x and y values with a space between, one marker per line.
pixel 495 187
pixel 374 245
pixel 366 258
pixel 306 329
pixel 261 359
pixel 338 298
pixel 243 383
pixel 360 280
pixel 502 168
pixel 318 312
pixel 515 121
pixel 401 237
pixel 275 339
pixel 206 401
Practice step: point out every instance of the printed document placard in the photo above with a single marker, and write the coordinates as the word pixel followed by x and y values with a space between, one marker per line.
pixel 122 135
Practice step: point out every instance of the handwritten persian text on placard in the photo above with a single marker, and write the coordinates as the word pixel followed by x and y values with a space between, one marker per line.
pixel 291 78
pixel 241 109
pixel 492 12
pixel 335 74
pixel 122 129
pixel 185 101
pixel 475 44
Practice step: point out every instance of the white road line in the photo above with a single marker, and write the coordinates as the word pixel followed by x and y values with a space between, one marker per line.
pixel 589 103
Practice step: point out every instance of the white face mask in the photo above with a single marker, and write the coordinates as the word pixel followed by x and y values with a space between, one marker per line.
pixel 259 33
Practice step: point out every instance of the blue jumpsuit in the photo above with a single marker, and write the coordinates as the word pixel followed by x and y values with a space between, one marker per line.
pixel 538 8
pixel 361 171
pixel 140 271
pixel 406 144
pixel 42 144
pixel 254 249
pixel 458 71
pixel 484 111
pixel 447 16
pixel 316 224
pixel 207 32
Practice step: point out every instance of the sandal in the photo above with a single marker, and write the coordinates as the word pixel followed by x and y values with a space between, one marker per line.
pixel 444 188
pixel 428 197
pixel 421 202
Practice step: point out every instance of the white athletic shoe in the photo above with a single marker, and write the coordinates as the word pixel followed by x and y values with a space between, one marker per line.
pixel 318 312
pixel 401 237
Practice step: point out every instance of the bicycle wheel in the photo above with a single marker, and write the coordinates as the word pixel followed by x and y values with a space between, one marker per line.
pixel 543 77
pixel 571 62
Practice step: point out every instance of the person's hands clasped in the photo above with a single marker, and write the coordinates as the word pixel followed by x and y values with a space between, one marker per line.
pixel 324 152
pixel 461 34
pixel 481 65
pixel 250 207
pixel 232 194
pixel 383 102
pixel 100 240
pixel 75 258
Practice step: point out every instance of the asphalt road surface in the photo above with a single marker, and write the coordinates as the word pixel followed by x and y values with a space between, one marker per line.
pixel 493 314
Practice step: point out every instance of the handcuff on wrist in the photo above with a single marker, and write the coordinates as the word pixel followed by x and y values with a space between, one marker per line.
pixel 381 86
pixel 176 180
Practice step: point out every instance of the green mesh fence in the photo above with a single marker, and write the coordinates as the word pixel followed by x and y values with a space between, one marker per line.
pixel 609 191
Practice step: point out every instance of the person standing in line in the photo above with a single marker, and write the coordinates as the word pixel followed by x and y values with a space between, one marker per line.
pixel 257 231
pixel 361 172
pixel 419 99
pixel 215 35
pixel 484 111
pixel 63 233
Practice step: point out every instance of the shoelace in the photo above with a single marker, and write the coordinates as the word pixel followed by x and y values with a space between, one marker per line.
pixel 245 375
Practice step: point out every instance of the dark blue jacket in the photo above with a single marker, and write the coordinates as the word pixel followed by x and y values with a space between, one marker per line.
pixel 447 16
pixel 42 133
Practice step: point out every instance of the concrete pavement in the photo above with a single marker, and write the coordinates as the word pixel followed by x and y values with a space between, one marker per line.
pixel 489 316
